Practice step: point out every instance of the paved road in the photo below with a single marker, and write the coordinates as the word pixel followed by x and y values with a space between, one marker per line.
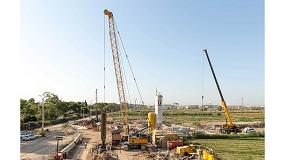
pixel 43 147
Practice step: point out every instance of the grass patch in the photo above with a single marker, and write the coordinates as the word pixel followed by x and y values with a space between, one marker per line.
pixel 237 149
pixel 196 116
pixel 228 136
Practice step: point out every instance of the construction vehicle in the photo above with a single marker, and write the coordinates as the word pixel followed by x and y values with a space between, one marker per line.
pixel 185 150
pixel 229 127
pixel 208 154
pixel 118 73
pixel 121 133
pixel 137 140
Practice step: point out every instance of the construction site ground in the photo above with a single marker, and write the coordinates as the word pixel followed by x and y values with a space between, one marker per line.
pixel 225 148
pixel 93 138
pixel 239 147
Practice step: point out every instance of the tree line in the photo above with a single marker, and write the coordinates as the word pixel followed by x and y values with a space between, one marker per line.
pixel 57 110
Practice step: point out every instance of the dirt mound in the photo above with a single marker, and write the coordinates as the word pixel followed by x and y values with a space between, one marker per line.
pixel 69 130
pixel 104 156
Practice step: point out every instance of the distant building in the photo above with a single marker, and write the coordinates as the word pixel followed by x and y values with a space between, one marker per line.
pixel 176 104
pixel 193 106
pixel 169 106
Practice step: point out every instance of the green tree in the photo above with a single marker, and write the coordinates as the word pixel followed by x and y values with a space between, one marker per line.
pixel 29 110
pixel 53 106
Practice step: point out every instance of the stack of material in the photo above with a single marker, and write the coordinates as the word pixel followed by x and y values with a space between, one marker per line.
pixel 163 155
pixel 105 155
pixel 174 144
pixel 169 137
pixel 90 126
pixel 69 131
pixel 181 130
pixel 150 156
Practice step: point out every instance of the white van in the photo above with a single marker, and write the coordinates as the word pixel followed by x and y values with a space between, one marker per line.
pixel 249 130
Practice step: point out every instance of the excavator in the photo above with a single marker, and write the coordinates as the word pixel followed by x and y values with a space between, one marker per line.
pixel 229 127
pixel 121 134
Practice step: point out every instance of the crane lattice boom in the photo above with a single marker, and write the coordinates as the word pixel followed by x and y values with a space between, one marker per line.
pixel 117 65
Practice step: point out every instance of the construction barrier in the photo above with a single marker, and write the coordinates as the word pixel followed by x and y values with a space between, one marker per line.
pixel 65 151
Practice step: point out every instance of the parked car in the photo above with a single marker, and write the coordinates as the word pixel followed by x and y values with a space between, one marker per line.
pixel 31 136
pixel 249 130
pixel 25 137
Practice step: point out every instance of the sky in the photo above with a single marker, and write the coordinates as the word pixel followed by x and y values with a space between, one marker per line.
pixel 62 50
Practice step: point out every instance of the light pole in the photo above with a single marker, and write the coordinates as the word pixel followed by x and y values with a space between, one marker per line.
pixel 83 112
pixel 43 112
pixel 90 110
pixel 43 116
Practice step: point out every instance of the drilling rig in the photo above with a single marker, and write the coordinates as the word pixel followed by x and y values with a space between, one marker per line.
pixel 119 80
pixel 122 135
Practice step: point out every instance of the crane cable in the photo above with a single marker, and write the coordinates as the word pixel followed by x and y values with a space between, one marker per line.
pixel 129 63
pixel 104 56
pixel 124 77
pixel 203 83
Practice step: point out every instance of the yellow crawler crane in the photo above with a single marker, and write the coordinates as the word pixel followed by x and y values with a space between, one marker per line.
pixel 229 127
pixel 119 78
pixel 122 135
pixel 117 66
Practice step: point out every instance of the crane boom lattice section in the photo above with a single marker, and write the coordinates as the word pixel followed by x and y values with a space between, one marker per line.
pixel 117 66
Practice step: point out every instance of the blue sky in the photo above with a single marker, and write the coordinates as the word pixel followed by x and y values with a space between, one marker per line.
pixel 62 46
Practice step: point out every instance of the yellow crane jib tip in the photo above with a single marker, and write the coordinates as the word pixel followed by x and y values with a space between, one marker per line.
pixel 107 13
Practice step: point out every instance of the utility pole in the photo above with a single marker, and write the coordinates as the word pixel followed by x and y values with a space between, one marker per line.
pixel 202 102
pixel 241 101
pixel 43 111
pixel 96 97
pixel 82 111
pixel 43 115
pixel 90 110
pixel 85 107
pixel 135 103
